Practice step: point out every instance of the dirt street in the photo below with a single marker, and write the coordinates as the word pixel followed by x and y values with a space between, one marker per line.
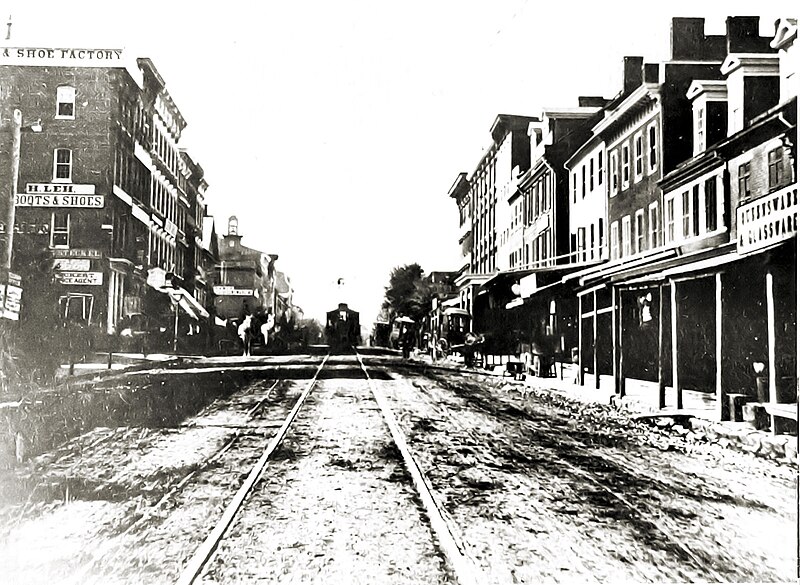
pixel 535 487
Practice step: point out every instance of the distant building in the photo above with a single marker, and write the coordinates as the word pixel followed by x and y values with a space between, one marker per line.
pixel 245 277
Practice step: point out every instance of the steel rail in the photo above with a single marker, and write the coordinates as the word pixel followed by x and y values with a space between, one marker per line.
pixel 176 487
pixel 465 568
pixel 593 477
pixel 203 554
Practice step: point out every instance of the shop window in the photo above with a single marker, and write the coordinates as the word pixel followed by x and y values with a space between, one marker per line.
pixel 65 102
pixel 59 229
pixel 62 165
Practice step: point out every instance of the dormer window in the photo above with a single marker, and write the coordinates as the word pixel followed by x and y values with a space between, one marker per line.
pixel 65 102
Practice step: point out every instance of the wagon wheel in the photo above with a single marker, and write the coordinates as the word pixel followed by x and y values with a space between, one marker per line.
pixel 443 346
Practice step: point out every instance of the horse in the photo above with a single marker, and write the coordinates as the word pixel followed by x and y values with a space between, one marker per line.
pixel 246 334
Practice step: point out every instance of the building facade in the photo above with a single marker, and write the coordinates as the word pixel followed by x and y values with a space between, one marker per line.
pixel 104 192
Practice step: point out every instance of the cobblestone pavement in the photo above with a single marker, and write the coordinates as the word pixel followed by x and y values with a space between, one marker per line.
pixel 544 489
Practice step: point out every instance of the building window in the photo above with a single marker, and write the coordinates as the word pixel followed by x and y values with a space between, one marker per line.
pixel 669 219
pixel 65 102
pixel 639 227
pixel 626 166
pixel 686 214
pixel 591 175
pixel 59 229
pixel 574 187
pixel 614 173
pixel 711 204
pixel 775 161
pixel 614 240
pixel 626 236
pixel 695 210
pixel 700 131
pixel 744 180
pixel 600 168
pixel 591 242
pixel 652 144
pixel 638 161
pixel 581 256
pixel 62 166
pixel 583 181
pixel 653 225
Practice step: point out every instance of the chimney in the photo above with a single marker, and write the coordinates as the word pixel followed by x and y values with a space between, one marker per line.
pixel 632 73
pixel 742 35
pixel 593 101
pixel 687 36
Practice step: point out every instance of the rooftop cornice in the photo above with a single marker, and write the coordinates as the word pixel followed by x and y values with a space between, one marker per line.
pixel 644 93
pixel 785 33
pixel 755 63
pixel 715 90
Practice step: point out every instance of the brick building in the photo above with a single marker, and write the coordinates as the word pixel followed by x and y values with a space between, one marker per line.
pixel 104 192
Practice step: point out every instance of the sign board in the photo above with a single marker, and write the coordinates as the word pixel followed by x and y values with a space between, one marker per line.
pixel 59 188
pixel 72 264
pixel 171 228
pixel 11 297
pixel 233 291
pixel 61 56
pixel 77 253
pixel 80 278
pixel 58 200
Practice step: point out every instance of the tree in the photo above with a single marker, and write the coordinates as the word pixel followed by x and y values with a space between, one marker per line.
pixel 408 292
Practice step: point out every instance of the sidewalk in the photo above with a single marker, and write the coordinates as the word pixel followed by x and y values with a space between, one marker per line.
pixel 699 418
pixel 99 362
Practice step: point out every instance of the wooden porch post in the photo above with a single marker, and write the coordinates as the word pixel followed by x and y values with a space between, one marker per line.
pixel 662 333
pixel 772 371
pixel 580 340
pixel 718 334
pixel 594 343
pixel 676 384
pixel 620 345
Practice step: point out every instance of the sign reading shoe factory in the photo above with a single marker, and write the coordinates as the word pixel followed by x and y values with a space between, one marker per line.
pixel 59 195
pixel 61 56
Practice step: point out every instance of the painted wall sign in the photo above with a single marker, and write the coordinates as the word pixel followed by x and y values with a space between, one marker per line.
pixel 78 253
pixel 72 264
pixel 65 188
pixel 37 200
pixel 232 291
pixel 81 278
pixel 140 214
pixel 64 56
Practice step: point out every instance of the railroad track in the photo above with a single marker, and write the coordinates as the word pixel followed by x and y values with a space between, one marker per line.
pixel 596 478
pixel 463 567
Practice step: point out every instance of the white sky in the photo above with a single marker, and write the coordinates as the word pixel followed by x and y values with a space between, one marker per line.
pixel 334 129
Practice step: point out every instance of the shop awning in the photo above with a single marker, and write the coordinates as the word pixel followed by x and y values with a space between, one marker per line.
pixel 188 303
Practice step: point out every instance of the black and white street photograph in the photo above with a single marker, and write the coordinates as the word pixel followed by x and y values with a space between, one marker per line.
pixel 378 293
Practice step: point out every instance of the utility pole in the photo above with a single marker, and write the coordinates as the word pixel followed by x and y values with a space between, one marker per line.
pixel 16 132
